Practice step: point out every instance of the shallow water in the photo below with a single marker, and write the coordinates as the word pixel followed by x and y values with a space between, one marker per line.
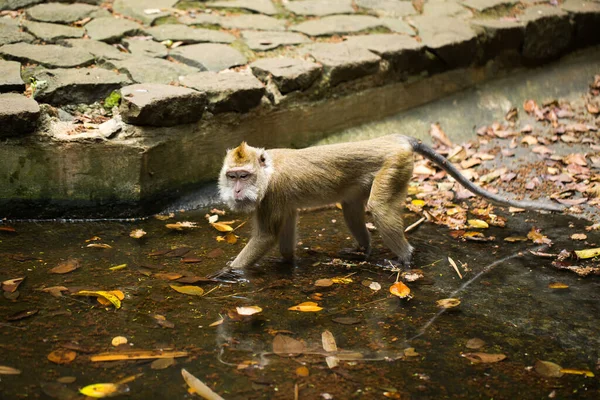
pixel 509 306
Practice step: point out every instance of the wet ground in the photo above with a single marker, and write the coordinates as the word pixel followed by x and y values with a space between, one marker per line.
pixel 506 301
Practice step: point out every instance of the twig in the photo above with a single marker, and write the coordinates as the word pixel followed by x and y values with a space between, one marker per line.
pixel 451 261
pixel 413 226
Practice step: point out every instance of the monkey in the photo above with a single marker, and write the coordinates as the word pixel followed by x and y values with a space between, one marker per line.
pixel 273 184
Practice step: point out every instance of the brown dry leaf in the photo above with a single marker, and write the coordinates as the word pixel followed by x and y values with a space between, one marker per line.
pixel 181 226
pixel 579 236
pixel 328 341
pixel 11 285
pixel 66 266
pixel 448 303
pixel 475 343
pixel 162 363
pixel 217 322
pixel 222 227
pixel 530 106
pixel 164 217
pixel 513 239
pixel 575 158
pixel 529 140
pixel 347 320
pixel 137 233
pixel 169 276
pixel 55 291
pixel 5 370
pixel 248 310
pixel 542 150
pixel 231 238
pixel 118 340
pixel 437 134
pixel 400 289
pixel 323 282
pixel 592 108
pixel 548 369
pixel 137 355
pixel 423 170
pixel 536 237
pixel 99 246
pixel 22 314
pixel 62 356
pixel 189 290
pixel 8 229
pixel 302 371
pixel 558 285
pixel 307 306
pixel 286 346
pixel 410 352
pixel 477 358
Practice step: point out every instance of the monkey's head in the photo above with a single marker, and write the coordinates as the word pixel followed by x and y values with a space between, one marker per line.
pixel 244 177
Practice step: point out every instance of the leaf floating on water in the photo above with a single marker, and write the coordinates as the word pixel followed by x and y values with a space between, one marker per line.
pixel 558 285
pixel 66 379
pixel 579 236
pixel 475 343
pixel 536 237
pixel 302 371
pixel 22 314
pixel 101 390
pixel 222 227
pixel 118 267
pixel 400 289
pixel 164 217
pixel 189 290
pixel 548 369
pixel 101 293
pixel 410 352
pixel 570 371
pixel 486 358
pixel 448 303
pixel 588 253
pixel 66 266
pixel 212 218
pixel 217 322
pixel 513 239
pixel 323 282
pixel 99 246
pixel 117 293
pixel 307 306
pixel 62 356
pixel 286 346
pixel 328 341
pixel 11 285
pixel 162 363
pixel 332 362
pixel 181 226
pixel 347 320
pixel 168 276
pixel 478 223
pixel 248 310
pixel 5 370
pixel 8 229
pixel 118 340
pixel 137 233
pixel 137 355
pixel 341 280
pixel 375 286
pixel 231 238
pixel 199 387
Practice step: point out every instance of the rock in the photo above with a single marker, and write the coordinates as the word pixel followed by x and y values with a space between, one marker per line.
pixel 186 34
pixel 17 4
pixel 320 7
pixel 445 9
pixel 201 19
pixel 288 74
pixel 48 55
pixel 451 39
pixel 111 29
pixel 209 56
pixel 500 35
pixel 11 33
pixel 337 25
pixel 586 18
pixel 160 105
pixel 10 77
pixel 137 9
pixel 252 21
pixel 151 70
pixel 50 33
pixel 262 41
pixel 100 50
pixel 548 32
pixel 397 25
pixel 342 62
pixel 146 48
pixel 483 5
pixel 229 91
pixel 18 114
pixel 259 6
pixel 65 13
pixel 404 53
pixel 388 8
pixel 81 85
pixel 109 128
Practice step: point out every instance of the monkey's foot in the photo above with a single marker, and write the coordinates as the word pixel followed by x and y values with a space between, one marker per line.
pixel 229 275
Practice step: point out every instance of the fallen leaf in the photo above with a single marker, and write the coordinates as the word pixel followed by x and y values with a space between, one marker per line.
pixel 222 227
pixel 437 134
pixel 410 352
pixel 118 267
pixel 164 217
pixel 536 236
pixel 137 233
pixel 477 223
pixel 136 355
pixel 101 293
pixel 307 306
pixel 323 282
pixel 181 226
pixel 117 293
pixel 448 303
pixel 99 246
pixel 248 310
pixel 475 343
pixel 66 379
pixel 558 285
pixel 302 371
pixel 400 289
pixel 579 236
pixel 22 314
pixel 477 358
pixel 168 276
pixel 190 260
pixel 189 290
pixel 162 363
pixel 328 341
pixel 341 280
pixel 548 369
pixel 286 346
pixel 513 239
pixel 375 286
pixel 5 370
pixel 231 238
pixel 570 371
pixel 347 320
pixel 332 361
pixel 199 387
pixel 212 218
pixel 101 390
pixel 217 322
pixel 118 340
pixel 11 285
pixel 62 356
pixel 588 253
pixel 8 229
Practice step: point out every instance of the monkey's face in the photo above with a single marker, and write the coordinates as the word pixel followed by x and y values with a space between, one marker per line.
pixel 244 177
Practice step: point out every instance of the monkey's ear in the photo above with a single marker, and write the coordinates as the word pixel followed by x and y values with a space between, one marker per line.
pixel 262 159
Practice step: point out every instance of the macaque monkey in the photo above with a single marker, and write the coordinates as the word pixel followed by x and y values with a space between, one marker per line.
pixel 274 184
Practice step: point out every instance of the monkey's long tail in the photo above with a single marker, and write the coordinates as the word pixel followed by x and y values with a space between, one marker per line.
pixel 442 162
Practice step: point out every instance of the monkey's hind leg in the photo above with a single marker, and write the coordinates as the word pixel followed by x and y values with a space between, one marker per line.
pixel 386 204
pixel 354 215
pixel 287 238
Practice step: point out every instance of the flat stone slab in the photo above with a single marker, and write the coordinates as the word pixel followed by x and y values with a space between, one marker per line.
pixel 151 70
pixel 146 48
pixel 16 4
pixel 343 62
pixel 48 55
pixel 252 21
pixel 320 7
pixel 548 32
pixel 288 74
pixel 209 56
pixel 259 6
pixel 10 77
pixel 263 40
pixel 138 9
pixel 100 50
pixel 403 52
pixel 51 33
pixel 388 8
pixel 160 105
pixel 581 6
pixel 337 25
pixel 77 85
pixel 187 34
pixel 65 13
pixel 451 39
pixel 397 25
pixel 445 9
pixel 229 91
pixel 18 114
pixel 11 33
pixel 111 29
pixel 483 5
pixel 500 34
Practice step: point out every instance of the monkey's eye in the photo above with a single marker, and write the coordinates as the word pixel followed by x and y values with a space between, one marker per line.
pixel 262 158
pixel 230 176
pixel 244 176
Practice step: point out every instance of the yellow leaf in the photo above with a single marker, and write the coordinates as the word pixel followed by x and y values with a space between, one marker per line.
pixel 5 370
pixel 137 233
pixel 100 390
pixel 308 306
pixel 249 310
pixel 105 302
pixel 199 387
pixel 588 253
pixel 341 280
pixel 231 238
pixel 477 223
pixel 302 371
pixel 118 340
pixel 587 373
pixel 101 293
pixel 118 267
pixel 62 356
pixel 137 355
pixel 221 227
pixel 448 303
pixel 99 246
pixel 418 203
pixel 179 226
pixel 220 239
pixel 400 289
pixel 513 239
pixel 558 285
pixel 217 322
pixel 191 290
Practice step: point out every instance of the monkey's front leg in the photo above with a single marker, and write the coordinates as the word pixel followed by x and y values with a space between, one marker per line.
pixel 256 248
